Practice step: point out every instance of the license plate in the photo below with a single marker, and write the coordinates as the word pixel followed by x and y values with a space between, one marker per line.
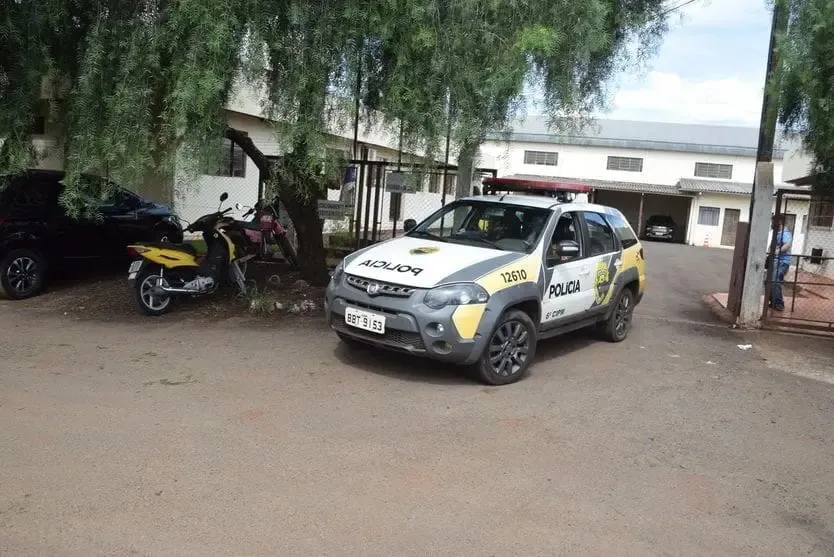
pixel 134 268
pixel 365 320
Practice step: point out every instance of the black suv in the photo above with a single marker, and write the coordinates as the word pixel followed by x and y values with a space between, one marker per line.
pixel 36 233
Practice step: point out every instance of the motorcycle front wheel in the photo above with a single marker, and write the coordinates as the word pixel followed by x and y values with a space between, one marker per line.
pixel 150 302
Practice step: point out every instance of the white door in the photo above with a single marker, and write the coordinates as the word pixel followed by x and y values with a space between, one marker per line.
pixel 569 290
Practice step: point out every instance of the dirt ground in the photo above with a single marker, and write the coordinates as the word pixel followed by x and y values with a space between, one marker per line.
pixel 234 436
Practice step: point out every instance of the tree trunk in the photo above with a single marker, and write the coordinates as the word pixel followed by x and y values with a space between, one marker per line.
pixel 466 171
pixel 303 211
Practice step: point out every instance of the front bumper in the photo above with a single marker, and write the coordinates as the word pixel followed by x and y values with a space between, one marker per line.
pixel 659 235
pixel 410 326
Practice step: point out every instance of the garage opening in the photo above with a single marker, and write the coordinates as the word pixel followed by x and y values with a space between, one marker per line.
pixel 654 205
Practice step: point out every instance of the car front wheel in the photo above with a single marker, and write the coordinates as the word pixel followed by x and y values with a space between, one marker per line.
pixel 22 274
pixel 510 350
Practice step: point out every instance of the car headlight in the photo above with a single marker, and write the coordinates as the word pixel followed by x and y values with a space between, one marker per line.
pixel 336 277
pixel 455 295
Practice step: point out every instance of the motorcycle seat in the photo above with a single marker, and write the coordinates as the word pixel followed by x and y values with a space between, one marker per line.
pixel 187 248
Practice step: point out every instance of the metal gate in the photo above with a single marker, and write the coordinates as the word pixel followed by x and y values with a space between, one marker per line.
pixel 799 288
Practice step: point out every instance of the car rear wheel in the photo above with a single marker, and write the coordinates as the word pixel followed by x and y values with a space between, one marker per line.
pixel 509 351
pixel 22 274
pixel 616 327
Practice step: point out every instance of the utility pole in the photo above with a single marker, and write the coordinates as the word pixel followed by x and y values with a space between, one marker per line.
pixel 761 202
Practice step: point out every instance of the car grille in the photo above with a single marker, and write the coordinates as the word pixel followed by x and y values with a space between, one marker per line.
pixel 392 337
pixel 385 289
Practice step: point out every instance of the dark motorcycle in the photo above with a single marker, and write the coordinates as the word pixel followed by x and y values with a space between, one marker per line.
pixel 265 232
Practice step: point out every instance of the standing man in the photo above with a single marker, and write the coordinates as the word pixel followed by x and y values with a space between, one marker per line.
pixel 782 261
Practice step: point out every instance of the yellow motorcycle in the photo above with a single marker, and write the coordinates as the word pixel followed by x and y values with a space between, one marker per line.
pixel 165 271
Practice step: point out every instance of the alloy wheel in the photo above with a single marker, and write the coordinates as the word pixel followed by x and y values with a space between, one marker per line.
pixel 22 274
pixel 153 301
pixel 622 315
pixel 509 348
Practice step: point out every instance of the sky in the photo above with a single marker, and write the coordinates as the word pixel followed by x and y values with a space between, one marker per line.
pixel 710 68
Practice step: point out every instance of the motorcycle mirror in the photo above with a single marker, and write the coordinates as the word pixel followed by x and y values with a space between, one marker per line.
pixel 238 206
pixel 223 197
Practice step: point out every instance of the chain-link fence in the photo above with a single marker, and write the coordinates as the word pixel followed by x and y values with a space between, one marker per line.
pixel 236 175
pixel 800 263
pixel 376 197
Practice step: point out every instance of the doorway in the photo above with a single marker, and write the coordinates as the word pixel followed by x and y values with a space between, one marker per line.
pixel 728 233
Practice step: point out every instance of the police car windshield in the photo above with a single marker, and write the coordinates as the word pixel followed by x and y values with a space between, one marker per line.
pixel 489 225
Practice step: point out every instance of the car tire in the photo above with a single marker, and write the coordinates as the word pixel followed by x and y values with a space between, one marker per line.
pixel 22 274
pixel 164 235
pixel 509 351
pixel 616 327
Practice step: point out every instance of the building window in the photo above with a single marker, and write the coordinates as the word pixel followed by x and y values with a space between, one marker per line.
pixel 821 214
pixel 543 158
pixel 451 183
pixel 232 160
pixel 708 216
pixel 712 170
pixel 39 126
pixel 434 182
pixel 625 164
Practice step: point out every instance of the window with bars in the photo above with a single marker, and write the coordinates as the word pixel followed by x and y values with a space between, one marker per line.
pixel 625 164
pixel 709 216
pixel 713 170
pixel 542 158
pixel 232 161
pixel 434 182
pixel 821 214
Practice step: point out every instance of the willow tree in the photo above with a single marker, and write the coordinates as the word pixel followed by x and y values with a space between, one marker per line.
pixel 806 80
pixel 139 87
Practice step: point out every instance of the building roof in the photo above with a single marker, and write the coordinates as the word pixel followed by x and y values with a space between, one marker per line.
pixel 657 136
pixel 700 185
pixel 685 186
pixel 605 184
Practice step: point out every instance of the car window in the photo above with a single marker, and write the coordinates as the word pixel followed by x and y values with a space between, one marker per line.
pixel 36 193
pixel 567 228
pixel 661 221
pixel 486 224
pixel 620 225
pixel 600 235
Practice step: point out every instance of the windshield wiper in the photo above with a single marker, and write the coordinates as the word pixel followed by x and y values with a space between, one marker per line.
pixel 426 234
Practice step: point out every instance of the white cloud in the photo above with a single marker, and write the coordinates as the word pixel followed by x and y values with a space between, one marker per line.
pixel 667 97
pixel 721 13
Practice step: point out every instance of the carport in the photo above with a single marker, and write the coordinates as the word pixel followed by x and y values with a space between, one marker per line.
pixel 639 201
pixel 635 200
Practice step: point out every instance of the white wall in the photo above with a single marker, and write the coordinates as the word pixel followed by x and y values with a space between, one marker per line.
pixel 703 235
pixel 580 161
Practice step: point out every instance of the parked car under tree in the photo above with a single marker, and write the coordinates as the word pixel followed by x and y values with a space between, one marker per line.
pixel 36 234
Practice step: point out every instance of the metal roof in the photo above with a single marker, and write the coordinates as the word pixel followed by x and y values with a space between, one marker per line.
pixel 629 134
pixel 701 185
pixel 605 184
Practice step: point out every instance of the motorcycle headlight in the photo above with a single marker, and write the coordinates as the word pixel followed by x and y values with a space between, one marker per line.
pixel 336 277
pixel 455 295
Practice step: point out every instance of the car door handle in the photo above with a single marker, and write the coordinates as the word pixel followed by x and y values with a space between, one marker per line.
pixel 585 271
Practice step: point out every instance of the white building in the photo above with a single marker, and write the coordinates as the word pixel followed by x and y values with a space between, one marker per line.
pixel 701 176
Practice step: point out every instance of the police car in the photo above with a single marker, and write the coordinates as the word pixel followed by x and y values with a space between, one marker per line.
pixel 483 279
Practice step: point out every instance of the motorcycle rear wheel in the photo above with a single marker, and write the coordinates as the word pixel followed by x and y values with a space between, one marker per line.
pixel 151 304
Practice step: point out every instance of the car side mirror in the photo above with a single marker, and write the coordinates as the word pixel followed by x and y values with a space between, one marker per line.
pixel 409 225
pixel 567 248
